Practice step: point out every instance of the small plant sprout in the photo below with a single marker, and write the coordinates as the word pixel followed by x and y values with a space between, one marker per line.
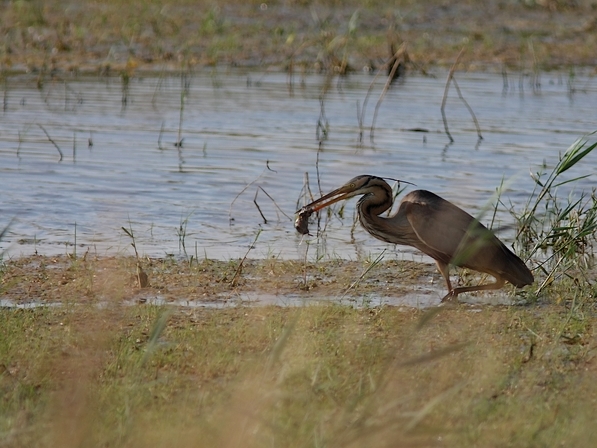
pixel 181 232
pixel 140 275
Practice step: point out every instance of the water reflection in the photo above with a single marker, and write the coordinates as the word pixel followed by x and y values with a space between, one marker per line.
pixel 233 163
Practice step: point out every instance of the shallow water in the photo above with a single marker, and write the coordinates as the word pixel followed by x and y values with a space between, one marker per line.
pixel 246 134
pixel 421 298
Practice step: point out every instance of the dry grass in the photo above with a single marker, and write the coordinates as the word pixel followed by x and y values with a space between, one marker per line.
pixel 98 372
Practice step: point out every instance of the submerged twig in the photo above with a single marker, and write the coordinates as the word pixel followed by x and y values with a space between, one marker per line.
pixel 125 77
pixel 506 85
pixel 397 58
pixel 305 191
pixel 361 114
pixel 5 96
pixel 259 208
pixel 267 168
pixel 183 94
pixel 52 141
pixel 21 139
pixel 445 97
pixel 319 149
pixel 322 129
pixel 241 192
pixel 469 108
pixel 158 85
pixel 449 80
pixel 179 139
pixel 273 200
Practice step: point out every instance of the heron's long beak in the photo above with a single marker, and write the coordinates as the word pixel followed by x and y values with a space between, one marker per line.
pixel 327 200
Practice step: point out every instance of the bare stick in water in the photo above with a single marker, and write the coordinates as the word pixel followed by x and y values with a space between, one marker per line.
pixel 470 109
pixel 52 141
pixel 397 58
pixel 259 208
pixel 242 191
pixel 449 80
pixel 275 203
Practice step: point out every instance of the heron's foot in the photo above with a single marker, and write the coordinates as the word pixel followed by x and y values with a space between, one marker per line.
pixel 450 296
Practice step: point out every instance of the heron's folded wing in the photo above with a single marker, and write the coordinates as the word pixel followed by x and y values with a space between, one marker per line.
pixel 444 228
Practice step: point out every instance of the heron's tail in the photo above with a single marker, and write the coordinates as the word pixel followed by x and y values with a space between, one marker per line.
pixel 515 271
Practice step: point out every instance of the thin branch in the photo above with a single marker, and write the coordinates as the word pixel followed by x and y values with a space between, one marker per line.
pixel 268 167
pixel 52 141
pixel 445 98
pixel 321 132
pixel 275 203
pixel 259 208
pixel 181 112
pixel 469 109
pixel 398 57
pixel 305 191
pixel 361 117
pixel 245 189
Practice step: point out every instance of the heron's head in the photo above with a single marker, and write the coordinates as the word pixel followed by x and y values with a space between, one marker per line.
pixel 363 184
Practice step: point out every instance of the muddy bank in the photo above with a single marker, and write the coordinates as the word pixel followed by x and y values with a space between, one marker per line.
pixel 39 281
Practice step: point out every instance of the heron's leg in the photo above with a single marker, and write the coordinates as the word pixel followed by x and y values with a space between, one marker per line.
pixel 499 282
pixel 444 269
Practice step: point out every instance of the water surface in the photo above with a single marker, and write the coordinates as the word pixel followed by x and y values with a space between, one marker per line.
pixel 247 134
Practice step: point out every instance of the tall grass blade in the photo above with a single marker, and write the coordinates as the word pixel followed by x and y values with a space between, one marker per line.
pixel 574 154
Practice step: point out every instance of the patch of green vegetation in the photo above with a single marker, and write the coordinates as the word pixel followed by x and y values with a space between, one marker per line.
pixel 559 234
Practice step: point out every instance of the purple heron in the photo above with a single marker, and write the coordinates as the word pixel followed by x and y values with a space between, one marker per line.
pixel 432 225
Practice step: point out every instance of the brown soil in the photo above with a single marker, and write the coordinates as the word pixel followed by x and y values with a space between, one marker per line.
pixel 47 280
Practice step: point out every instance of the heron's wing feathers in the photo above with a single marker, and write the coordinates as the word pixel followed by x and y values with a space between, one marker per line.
pixel 448 232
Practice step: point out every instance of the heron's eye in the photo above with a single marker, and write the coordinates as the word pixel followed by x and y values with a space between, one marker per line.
pixel 352 185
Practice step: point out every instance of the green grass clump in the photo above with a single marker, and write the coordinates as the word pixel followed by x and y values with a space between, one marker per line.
pixel 559 234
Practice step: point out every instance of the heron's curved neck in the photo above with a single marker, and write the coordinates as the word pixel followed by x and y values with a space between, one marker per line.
pixel 391 229
pixel 375 203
